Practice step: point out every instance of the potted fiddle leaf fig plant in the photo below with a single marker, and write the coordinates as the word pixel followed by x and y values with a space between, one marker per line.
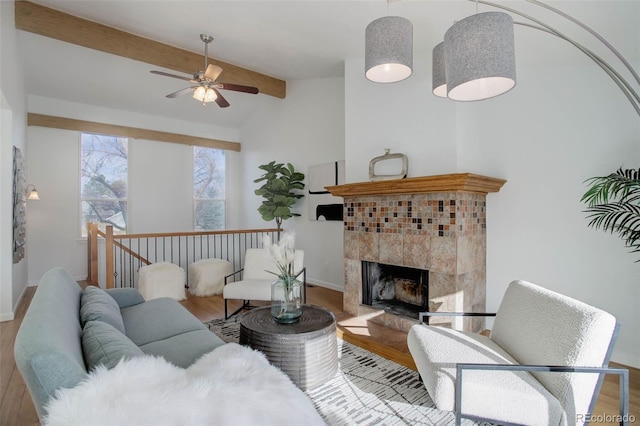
pixel 281 189
pixel 614 205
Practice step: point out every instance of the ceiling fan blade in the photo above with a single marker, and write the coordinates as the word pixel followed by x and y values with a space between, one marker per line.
pixel 166 74
pixel 238 88
pixel 181 92
pixel 220 100
pixel 212 72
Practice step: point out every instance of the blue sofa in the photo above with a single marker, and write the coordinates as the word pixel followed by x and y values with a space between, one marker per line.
pixel 67 331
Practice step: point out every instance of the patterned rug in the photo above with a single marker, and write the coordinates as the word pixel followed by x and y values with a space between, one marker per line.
pixel 367 390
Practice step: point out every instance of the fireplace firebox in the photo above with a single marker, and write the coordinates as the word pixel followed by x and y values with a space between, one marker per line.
pixel 396 289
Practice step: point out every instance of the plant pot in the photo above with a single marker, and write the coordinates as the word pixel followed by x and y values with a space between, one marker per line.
pixel 286 300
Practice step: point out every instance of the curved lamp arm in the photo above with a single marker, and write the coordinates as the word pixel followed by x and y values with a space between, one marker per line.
pixel 623 84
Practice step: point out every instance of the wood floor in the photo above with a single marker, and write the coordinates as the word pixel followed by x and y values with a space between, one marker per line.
pixel 16 407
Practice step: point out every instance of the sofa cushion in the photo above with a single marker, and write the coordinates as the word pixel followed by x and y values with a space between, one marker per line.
pixel 102 344
pixel 158 319
pixel 249 289
pixel 97 305
pixel 184 349
pixel 125 297
pixel 516 396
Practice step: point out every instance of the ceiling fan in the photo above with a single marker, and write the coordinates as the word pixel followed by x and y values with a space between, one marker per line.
pixel 206 85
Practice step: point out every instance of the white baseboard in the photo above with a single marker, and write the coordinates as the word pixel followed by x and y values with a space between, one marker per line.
pixel 10 316
pixel 325 284
pixel 7 317
pixel 626 359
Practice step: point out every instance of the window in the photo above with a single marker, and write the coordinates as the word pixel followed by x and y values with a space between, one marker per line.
pixel 209 172
pixel 103 181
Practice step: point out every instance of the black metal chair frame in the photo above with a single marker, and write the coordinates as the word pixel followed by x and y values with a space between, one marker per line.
pixel 601 371
pixel 245 303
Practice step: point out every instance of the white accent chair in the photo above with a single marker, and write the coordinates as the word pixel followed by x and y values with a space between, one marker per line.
pixel 162 279
pixel 543 363
pixel 256 280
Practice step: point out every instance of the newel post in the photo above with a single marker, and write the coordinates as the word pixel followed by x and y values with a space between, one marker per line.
pixel 92 253
pixel 108 247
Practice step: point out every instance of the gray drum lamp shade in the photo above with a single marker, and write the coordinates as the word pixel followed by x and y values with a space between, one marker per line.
pixel 479 56
pixel 389 49
pixel 438 77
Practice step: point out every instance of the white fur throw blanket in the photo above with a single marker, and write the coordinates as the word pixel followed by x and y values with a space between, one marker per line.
pixel 232 385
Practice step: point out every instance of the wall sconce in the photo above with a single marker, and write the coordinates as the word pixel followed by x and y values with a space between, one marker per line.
pixel 32 194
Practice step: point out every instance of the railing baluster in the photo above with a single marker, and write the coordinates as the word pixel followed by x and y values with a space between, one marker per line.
pixel 122 251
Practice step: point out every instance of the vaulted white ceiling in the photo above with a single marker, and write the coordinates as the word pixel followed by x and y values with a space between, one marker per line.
pixel 289 40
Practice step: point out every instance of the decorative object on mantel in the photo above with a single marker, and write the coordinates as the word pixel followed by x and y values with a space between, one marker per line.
pixel 614 205
pixel 278 189
pixel 387 156
pixel 447 56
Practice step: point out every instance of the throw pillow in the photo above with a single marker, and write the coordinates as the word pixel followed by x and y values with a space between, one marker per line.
pixel 102 344
pixel 97 305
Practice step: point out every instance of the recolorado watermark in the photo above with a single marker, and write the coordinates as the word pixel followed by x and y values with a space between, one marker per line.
pixel 605 418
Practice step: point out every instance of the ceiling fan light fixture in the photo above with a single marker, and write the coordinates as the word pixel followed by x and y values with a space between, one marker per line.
pixel 199 93
pixel 206 84
pixel 210 95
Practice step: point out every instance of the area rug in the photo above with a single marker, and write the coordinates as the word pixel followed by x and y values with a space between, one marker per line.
pixel 367 390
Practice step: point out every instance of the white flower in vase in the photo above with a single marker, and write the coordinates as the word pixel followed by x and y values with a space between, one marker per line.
pixel 286 300
pixel 283 252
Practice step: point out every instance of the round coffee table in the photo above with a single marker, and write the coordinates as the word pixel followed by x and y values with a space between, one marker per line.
pixel 306 350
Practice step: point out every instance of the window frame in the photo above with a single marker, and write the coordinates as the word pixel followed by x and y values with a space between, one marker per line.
pixel 81 199
pixel 195 200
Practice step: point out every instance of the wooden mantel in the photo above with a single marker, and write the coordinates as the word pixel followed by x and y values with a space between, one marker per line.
pixel 457 182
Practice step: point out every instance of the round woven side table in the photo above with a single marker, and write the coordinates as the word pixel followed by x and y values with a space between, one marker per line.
pixel 306 350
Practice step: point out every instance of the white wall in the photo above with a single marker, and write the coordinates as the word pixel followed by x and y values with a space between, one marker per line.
pixel 403 117
pixel 12 108
pixel 558 127
pixel 160 183
pixel 546 149
pixel 305 129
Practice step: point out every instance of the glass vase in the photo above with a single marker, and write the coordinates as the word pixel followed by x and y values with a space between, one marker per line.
pixel 286 299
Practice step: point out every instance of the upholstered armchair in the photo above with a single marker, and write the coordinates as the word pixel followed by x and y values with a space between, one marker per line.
pixel 542 364
pixel 256 278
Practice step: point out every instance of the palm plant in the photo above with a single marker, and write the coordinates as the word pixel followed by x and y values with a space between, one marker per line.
pixel 614 205
pixel 278 189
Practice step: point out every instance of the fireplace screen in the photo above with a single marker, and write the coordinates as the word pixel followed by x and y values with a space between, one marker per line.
pixel 396 289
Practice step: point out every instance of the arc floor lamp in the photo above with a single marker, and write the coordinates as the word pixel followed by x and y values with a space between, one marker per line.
pixel 476 60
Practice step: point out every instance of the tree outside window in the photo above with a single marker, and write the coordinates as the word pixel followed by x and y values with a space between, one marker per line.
pixel 209 188
pixel 104 181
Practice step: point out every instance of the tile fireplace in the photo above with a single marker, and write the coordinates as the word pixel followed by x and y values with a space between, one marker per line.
pixel 426 237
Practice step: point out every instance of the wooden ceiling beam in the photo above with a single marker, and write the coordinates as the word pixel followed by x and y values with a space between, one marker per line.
pixel 52 23
pixel 127 132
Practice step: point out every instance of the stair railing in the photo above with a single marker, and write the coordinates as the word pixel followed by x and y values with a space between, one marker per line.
pixel 125 254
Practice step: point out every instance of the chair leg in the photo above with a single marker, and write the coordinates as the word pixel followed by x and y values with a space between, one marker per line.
pixel 245 304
